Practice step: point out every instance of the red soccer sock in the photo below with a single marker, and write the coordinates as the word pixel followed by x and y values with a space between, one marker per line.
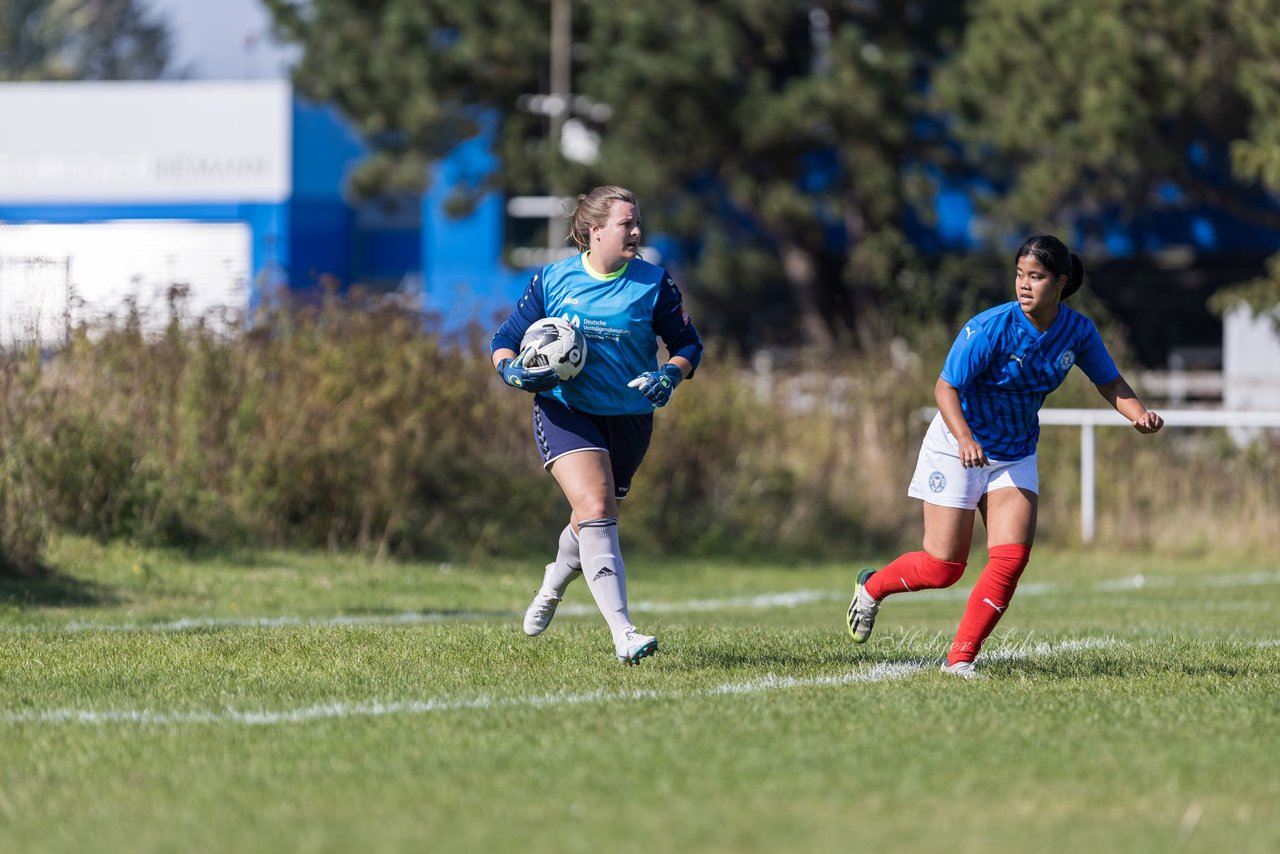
pixel 989 599
pixel 914 571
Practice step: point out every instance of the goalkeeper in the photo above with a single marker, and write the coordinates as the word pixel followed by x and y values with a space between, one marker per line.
pixel 593 431
pixel 980 452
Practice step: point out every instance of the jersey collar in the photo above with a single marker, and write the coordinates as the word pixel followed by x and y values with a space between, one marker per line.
pixel 604 277
pixel 1031 327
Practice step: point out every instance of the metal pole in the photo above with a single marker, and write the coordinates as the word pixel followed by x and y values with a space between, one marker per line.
pixel 1087 507
pixel 561 47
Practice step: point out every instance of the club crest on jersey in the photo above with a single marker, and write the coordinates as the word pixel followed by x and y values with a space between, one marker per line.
pixel 937 481
pixel 1066 359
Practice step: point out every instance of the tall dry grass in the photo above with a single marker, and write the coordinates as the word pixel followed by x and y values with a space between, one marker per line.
pixel 348 426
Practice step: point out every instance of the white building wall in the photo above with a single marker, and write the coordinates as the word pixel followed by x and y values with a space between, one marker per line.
pixel 55 276
pixel 145 142
pixel 1250 361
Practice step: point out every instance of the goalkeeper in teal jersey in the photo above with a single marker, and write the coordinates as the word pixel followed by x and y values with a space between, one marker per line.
pixel 592 431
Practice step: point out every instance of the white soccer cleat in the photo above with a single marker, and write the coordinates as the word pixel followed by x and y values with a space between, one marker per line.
pixel 963 669
pixel 633 646
pixel 863 609
pixel 540 611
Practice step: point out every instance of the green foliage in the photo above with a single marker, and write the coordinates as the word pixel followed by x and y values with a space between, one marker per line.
pixel 23 525
pixel 81 40
pixel 788 145
pixel 1261 296
pixel 413 75
pixel 1096 103
pixel 1073 110
pixel 795 127
pixel 347 426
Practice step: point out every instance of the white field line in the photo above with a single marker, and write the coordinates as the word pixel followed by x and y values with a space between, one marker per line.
pixel 879 672
pixel 408 618
pixel 767 601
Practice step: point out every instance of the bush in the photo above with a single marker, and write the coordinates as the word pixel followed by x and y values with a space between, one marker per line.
pixel 23 527
pixel 351 426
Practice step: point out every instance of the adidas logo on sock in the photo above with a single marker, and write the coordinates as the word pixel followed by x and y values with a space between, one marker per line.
pixel 604 572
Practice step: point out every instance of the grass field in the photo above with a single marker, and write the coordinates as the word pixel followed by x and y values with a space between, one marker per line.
pixel 282 702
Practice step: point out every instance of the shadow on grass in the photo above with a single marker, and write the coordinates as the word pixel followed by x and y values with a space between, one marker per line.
pixel 52 588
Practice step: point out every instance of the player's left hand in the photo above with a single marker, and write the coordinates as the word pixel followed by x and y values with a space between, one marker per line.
pixel 1148 423
pixel 657 386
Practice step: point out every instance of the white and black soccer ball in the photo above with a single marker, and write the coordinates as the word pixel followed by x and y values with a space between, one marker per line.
pixel 556 342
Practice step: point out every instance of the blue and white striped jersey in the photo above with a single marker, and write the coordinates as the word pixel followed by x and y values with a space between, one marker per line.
pixel 1004 368
pixel 622 314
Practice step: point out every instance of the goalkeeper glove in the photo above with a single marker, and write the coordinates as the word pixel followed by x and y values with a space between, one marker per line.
pixel 657 386
pixel 516 375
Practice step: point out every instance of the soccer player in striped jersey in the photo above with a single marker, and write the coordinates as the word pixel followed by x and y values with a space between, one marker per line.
pixel 593 431
pixel 979 453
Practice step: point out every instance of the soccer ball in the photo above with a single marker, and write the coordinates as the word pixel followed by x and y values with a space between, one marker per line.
pixel 556 342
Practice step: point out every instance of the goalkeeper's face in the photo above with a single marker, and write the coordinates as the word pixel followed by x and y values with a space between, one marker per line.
pixel 618 240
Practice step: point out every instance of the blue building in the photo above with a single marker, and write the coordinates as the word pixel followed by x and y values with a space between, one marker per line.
pixel 118 190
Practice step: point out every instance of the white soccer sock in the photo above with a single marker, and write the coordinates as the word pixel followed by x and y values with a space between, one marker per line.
pixel 603 569
pixel 567 566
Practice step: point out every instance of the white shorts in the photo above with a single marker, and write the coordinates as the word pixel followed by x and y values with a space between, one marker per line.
pixel 941 480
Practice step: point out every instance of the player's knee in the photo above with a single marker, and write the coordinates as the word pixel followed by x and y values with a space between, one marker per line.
pixel 1008 561
pixel 598 523
pixel 595 508
pixel 942 573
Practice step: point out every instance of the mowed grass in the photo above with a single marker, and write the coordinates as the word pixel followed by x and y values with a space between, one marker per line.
pixel 284 702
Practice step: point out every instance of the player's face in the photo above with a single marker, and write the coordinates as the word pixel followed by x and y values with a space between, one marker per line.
pixel 1038 290
pixel 618 240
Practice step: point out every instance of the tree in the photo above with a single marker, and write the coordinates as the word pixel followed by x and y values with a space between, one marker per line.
pixel 80 40
pixel 415 77
pixel 774 139
pixel 796 122
pixel 1257 156
pixel 1074 111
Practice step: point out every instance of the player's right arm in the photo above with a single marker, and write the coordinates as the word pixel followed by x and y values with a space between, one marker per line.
pixel 530 308
pixel 969 356
pixel 506 342
pixel 948 399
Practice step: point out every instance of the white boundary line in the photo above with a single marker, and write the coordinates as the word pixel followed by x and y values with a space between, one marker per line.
pixel 879 672
pixel 791 599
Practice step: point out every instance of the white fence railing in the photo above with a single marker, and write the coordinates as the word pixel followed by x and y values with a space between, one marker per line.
pixel 1090 419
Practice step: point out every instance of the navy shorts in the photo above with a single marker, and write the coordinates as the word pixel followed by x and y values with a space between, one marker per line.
pixel 559 430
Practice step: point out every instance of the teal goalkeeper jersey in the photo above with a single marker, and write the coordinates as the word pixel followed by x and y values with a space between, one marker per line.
pixel 622 315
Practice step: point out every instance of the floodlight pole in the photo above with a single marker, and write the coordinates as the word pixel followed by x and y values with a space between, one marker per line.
pixel 561 48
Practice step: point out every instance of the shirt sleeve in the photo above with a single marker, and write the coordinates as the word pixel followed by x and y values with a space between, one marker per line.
pixel 673 325
pixel 528 311
pixel 1094 359
pixel 969 357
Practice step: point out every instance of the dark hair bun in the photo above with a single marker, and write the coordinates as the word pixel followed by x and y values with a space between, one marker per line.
pixel 1076 278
